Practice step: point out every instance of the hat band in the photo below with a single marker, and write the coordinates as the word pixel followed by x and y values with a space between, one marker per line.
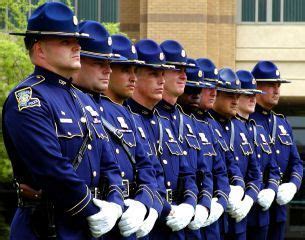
pixel 269 79
pixel 131 61
pixel 57 33
pixel 161 65
pixel 228 90
pixel 182 63
pixel 253 90
pixel 194 82
pixel 211 79
pixel 102 54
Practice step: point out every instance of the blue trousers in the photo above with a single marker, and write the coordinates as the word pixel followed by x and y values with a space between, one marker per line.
pixel 257 233
pixel 276 231
pixel 236 236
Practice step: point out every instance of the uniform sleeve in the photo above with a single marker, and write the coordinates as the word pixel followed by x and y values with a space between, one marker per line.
pixel 234 173
pixel 253 178
pixel 32 133
pixel 295 163
pixel 220 176
pixel 273 171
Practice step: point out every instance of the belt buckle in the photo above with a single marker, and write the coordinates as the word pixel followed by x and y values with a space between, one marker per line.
pixel 125 183
pixel 169 195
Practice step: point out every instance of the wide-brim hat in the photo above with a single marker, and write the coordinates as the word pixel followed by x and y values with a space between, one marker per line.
pixel 175 54
pixel 248 82
pixel 152 55
pixel 123 46
pixel 267 71
pixel 229 82
pixel 52 19
pixel 209 69
pixel 99 46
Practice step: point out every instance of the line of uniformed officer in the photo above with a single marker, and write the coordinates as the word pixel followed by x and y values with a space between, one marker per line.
pixel 113 145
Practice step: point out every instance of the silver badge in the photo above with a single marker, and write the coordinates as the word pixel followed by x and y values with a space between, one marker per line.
pixel 161 56
pixel 109 41
pixel 133 49
pixel 203 137
pixel 199 73
pixel 169 133
pixel 75 21
pixel 183 54
pixel 189 128
pixel 283 130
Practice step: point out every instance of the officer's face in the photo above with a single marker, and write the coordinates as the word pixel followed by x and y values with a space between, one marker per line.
pixel 174 82
pixel 190 98
pixel 226 104
pixel 94 74
pixel 60 55
pixel 208 97
pixel 122 81
pixel 272 96
pixel 246 104
pixel 150 85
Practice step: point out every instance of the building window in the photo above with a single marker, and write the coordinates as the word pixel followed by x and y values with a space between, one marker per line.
pixel 267 11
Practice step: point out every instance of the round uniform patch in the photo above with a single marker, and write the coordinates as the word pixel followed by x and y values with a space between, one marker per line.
pixel 253 81
pixel 109 41
pixel 277 73
pixel 75 21
pixel 133 49
pixel 161 57
pixel 199 73
pixel 215 71
pixel 183 54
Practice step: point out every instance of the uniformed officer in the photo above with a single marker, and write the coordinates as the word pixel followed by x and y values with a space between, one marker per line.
pixel 136 169
pixel 184 129
pixel 208 97
pixel 269 80
pixel 210 149
pixel 50 133
pixel 181 190
pixel 258 218
pixel 226 107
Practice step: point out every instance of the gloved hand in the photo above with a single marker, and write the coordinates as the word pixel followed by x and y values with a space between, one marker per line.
pixel 132 218
pixel 201 215
pixel 235 196
pixel 103 221
pixel 265 198
pixel 215 212
pixel 242 209
pixel 285 193
pixel 180 217
pixel 148 223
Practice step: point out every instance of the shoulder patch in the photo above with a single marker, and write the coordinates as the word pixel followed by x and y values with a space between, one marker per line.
pixel 25 100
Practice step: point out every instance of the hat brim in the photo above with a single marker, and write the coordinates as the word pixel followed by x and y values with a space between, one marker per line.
pixel 182 64
pixel 52 34
pixel 279 80
pixel 229 90
pixel 160 66
pixel 99 56
pixel 128 62
pixel 196 84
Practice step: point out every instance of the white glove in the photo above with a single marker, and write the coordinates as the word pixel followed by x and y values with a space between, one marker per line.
pixel 201 215
pixel 103 221
pixel 148 223
pixel 242 209
pixel 235 196
pixel 215 212
pixel 181 216
pixel 285 193
pixel 265 198
pixel 132 218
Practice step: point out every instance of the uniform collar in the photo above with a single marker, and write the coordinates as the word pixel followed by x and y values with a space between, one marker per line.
pixel 218 117
pixel 200 114
pixel 52 77
pixel 166 106
pixel 242 118
pixel 260 109
pixel 138 108
pixel 94 95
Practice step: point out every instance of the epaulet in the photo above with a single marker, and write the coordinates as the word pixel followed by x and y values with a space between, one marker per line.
pixel 159 115
pixel 129 110
pixel 199 120
pixel 278 114
pixel 27 82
